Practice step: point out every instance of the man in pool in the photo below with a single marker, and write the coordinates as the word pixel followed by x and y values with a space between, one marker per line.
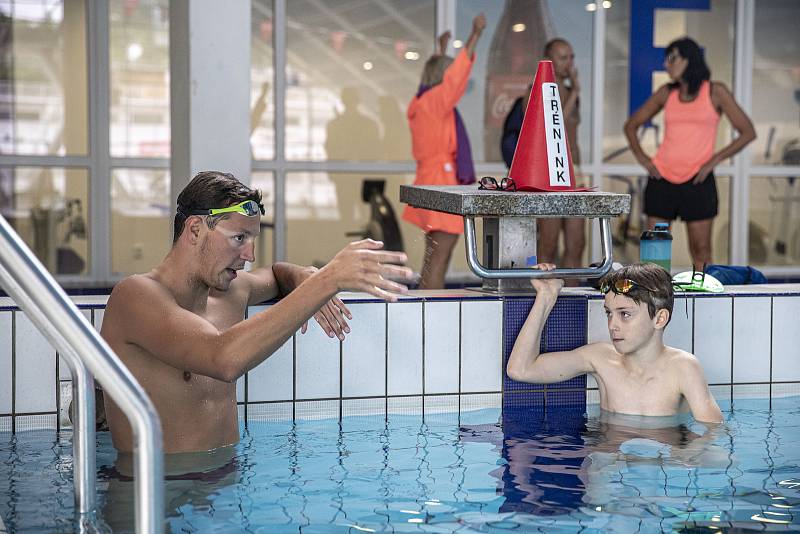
pixel 180 330
pixel 636 373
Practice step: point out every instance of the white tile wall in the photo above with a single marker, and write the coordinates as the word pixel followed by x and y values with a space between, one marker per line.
pixel 363 407
pixel 64 372
pixel 481 345
pixel 404 405
pixel 326 409
pixel 713 349
pixel 441 347
pixel 751 338
pixel 596 330
pixel 36 422
pixel 404 368
pixel 240 389
pixel 273 379
pixel 317 364
pixel 678 333
pixel 596 322
pixel 372 351
pixel 786 338
pixel 364 352
pixel 274 411
pixel 5 362
pixel 36 369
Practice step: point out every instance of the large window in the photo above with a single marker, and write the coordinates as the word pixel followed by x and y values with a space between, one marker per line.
pixel 628 84
pixel 352 67
pixel 139 38
pixel 262 98
pixel 48 207
pixel 141 229
pixel 630 81
pixel 506 60
pixel 85 145
pixel 776 83
pixel 43 79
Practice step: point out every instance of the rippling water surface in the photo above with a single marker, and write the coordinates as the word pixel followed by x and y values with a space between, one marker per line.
pixel 480 472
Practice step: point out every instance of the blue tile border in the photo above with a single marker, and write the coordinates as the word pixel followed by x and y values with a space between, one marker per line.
pixel 565 329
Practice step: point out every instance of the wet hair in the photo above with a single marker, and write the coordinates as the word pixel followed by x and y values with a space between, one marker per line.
pixel 696 70
pixel 210 190
pixel 650 276
pixel 548 48
pixel 433 72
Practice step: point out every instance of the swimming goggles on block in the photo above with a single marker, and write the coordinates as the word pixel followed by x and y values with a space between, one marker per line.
pixel 623 286
pixel 248 208
pixel 490 183
pixel 697 281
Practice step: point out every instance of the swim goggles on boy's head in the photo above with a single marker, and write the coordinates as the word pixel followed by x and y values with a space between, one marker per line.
pixel 248 208
pixel 623 286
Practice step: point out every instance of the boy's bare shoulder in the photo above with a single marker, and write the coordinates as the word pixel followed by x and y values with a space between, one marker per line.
pixel 602 350
pixel 681 361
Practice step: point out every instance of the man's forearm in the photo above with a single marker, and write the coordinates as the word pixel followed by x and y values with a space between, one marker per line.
pixel 250 342
pixel 289 276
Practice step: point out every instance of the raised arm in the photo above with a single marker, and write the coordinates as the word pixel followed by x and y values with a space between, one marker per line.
pixel 525 363
pixel 478 25
pixel 443 97
pixel 694 389
pixel 653 105
pixel 145 314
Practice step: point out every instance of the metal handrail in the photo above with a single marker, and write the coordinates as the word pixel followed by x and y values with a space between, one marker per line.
pixel 478 268
pixel 35 291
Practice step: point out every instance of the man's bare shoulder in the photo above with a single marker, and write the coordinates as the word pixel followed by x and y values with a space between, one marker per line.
pixel 135 294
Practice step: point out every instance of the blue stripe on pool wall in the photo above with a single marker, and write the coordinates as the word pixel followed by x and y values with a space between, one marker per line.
pixel 565 330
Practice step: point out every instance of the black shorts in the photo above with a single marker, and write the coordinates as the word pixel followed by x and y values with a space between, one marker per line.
pixel 690 202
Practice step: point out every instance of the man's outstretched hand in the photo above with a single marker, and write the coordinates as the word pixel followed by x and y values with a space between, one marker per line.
pixel 365 266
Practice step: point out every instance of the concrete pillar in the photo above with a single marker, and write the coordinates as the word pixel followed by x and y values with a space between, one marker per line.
pixel 209 89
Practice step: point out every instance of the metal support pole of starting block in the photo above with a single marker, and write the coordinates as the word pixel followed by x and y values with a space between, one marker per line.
pixel 510 250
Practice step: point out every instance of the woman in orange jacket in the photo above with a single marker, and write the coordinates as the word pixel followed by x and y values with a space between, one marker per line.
pixel 441 148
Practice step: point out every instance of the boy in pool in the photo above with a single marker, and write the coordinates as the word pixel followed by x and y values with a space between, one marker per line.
pixel 180 328
pixel 636 373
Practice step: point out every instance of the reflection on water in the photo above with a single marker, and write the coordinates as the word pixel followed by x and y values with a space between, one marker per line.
pixel 553 470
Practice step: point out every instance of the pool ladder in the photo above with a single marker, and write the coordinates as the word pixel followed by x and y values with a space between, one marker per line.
pixel 34 290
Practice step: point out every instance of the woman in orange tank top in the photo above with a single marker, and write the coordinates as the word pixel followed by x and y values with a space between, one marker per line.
pixel 681 182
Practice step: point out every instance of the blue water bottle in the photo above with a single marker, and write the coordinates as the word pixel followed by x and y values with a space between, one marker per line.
pixel 656 246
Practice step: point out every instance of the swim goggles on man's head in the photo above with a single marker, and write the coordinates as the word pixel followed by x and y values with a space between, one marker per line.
pixel 248 208
pixel 623 286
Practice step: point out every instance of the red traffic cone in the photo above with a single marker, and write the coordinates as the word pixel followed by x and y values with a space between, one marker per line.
pixel 542 160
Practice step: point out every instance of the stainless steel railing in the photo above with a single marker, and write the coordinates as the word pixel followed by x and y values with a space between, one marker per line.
pixel 35 291
pixel 471 244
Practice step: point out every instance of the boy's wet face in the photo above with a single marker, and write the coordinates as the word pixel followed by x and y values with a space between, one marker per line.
pixel 228 246
pixel 629 323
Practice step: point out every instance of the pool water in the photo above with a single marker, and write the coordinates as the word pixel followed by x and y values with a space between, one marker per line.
pixel 481 471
